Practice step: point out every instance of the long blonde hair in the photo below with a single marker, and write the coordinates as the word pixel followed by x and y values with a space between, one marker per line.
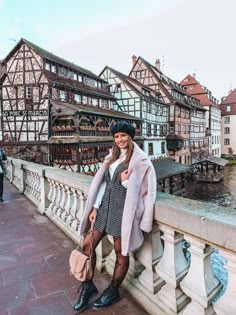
pixel 116 153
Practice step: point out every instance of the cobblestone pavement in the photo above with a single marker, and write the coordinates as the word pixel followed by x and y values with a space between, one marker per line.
pixel 34 274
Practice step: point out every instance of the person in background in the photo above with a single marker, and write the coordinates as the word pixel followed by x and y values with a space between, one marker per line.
pixel 3 158
pixel 120 203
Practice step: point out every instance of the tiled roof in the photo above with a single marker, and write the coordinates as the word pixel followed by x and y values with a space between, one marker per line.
pixel 231 98
pixel 224 111
pixel 197 90
pixel 50 56
pixel 94 110
pixel 76 85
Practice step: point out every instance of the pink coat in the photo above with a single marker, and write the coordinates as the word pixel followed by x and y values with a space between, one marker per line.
pixel 139 201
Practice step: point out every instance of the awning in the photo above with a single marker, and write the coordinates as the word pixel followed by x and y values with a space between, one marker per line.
pixel 167 168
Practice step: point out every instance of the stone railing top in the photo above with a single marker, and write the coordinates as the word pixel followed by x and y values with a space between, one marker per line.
pixel 214 224
pixel 75 180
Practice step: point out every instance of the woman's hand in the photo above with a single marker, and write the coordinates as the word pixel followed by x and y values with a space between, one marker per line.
pixel 125 175
pixel 93 215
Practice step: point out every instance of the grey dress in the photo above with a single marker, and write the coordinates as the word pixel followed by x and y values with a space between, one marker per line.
pixel 109 214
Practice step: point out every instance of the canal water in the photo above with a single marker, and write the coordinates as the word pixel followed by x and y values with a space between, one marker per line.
pixel 223 194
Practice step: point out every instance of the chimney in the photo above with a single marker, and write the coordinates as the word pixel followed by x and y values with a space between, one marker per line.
pixel 134 59
pixel 157 64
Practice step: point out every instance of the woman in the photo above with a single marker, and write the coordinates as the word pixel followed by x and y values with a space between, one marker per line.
pixel 120 203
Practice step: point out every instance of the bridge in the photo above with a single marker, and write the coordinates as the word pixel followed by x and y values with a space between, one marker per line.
pixel 172 272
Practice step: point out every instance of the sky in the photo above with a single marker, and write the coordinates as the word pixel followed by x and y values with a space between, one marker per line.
pixel 188 36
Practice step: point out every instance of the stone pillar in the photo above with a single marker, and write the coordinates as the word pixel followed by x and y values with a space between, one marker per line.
pixel 226 305
pixel 200 284
pixel 149 255
pixel 172 268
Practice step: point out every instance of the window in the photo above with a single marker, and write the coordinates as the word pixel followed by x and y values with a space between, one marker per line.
pixel 155 130
pixel 149 129
pixel 172 110
pixel 104 103
pixel 140 74
pixel 227 120
pixel 226 141
pixel 149 107
pixel 150 148
pixel 163 151
pixel 54 68
pixel 172 128
pixel 146 92
pixel 228 108
pixel 78 98
pixel 95 102
pixel 227 130
pixel 80 78
pixel 47 66
pixel 28 92
pixel 63 95
pixel 179 128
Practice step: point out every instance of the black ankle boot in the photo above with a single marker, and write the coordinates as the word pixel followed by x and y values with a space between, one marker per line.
pixel 87 292
pixel 109 296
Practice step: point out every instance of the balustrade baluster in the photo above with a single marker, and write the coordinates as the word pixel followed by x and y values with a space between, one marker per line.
pixel 226 305
pixel 66 213
pixel 200 284
pixel 51 194
pixel 75 206
pixel 62 200
pixel 172 268
pixel 149 255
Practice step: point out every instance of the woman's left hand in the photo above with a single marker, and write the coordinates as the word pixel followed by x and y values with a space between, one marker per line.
pixel 125 175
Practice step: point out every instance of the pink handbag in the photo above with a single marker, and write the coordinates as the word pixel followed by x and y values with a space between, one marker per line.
pixel 80 264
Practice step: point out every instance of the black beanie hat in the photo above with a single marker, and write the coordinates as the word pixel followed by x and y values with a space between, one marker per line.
pixel 123 127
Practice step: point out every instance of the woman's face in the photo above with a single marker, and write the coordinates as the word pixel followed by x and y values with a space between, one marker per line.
pixel 121 140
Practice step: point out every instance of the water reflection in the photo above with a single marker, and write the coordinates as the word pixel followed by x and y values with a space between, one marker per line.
pixel 222 193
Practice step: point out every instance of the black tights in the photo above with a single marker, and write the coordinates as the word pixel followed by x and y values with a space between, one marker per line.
pixel 122 262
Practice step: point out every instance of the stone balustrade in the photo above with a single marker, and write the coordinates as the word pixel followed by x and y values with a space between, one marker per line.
pixel 164 276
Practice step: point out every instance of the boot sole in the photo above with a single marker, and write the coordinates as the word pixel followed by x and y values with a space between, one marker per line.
pixel 111 303
pixel 86 306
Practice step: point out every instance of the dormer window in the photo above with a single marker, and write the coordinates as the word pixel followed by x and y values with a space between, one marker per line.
pixel 228 108
pixel 146 92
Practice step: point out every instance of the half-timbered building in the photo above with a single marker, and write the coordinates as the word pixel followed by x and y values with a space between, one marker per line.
pixel 43 93
pixel 213 112
pixel 180 105
pixel 143 102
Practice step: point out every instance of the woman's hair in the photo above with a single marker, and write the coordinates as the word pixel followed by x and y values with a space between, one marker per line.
pixel 116 153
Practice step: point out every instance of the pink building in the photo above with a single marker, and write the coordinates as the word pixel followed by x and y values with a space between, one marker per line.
pixel 228 123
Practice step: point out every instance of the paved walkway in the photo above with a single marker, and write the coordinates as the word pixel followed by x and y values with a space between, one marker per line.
pixel 34 275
